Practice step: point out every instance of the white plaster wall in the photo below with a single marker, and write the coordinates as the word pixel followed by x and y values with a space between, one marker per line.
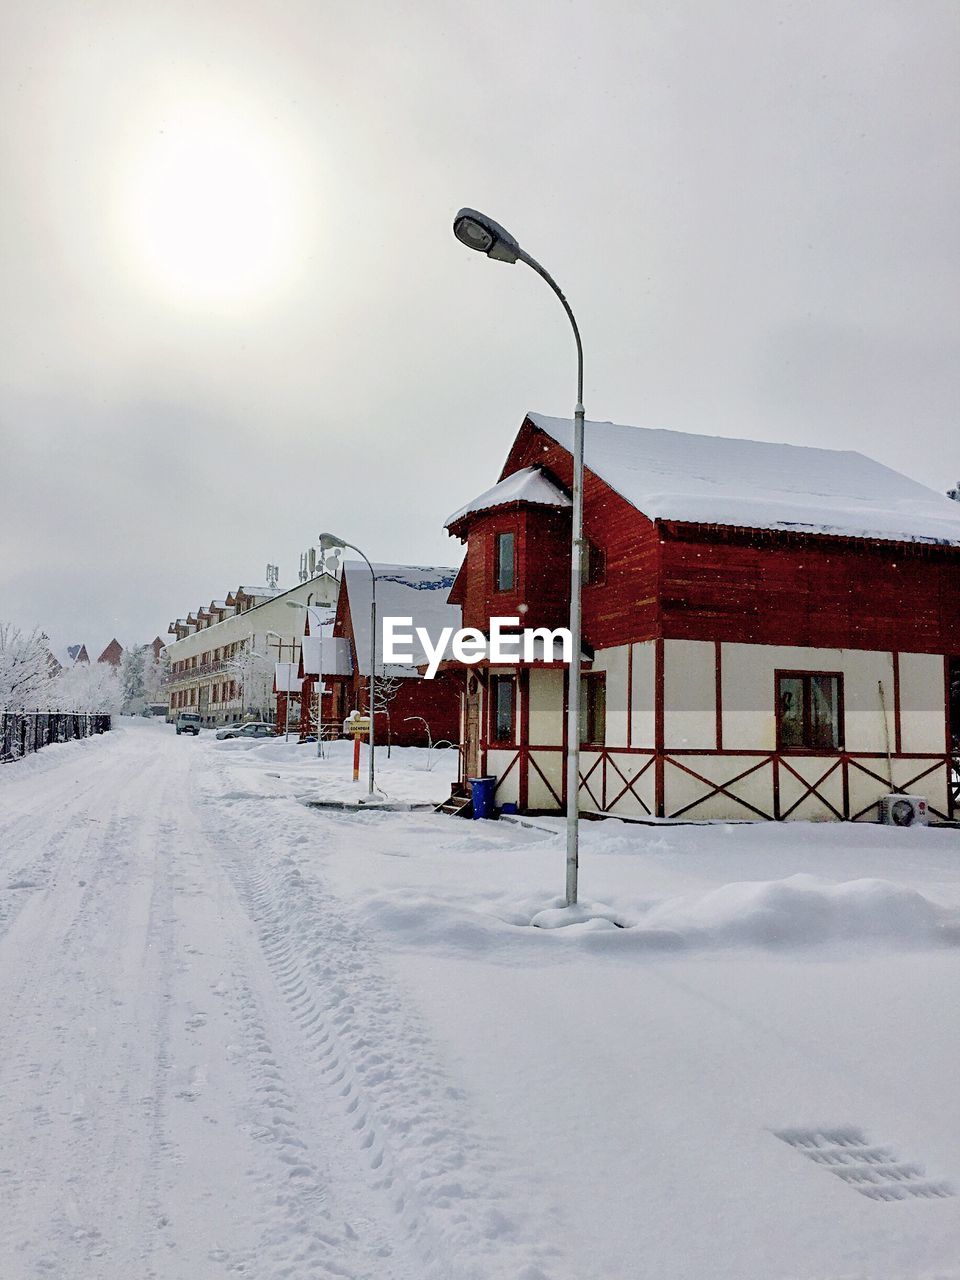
pixel 689 684
pixel 922 708
pixel 644 700
pixel 551 764
pixel 628 806
pixel 508 789
pixel 274 615
pixel 680 789
pixel 749 717
pixel 615 663
pixel 546 706
pixel 808 807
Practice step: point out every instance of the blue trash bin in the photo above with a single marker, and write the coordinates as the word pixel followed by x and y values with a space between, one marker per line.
pixel 483 790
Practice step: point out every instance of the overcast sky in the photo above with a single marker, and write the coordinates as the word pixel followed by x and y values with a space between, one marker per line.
pixel 232 312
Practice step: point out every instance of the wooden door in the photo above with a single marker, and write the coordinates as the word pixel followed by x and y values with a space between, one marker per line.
pixel 471 729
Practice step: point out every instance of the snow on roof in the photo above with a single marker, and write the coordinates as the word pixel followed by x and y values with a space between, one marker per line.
pixel 320 616
pixel 527 485
pixel 285 678
pixel 267 592
pixel 673 475
pixel 326 656
pixel 403 591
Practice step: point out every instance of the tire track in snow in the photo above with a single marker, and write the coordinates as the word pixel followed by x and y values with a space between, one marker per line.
pixel 405 1128
pixel 65 1056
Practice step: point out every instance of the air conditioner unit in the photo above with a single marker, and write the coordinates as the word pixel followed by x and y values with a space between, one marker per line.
pixel 903 811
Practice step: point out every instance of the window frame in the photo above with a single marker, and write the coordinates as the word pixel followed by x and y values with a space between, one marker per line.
pixel 593 568
pixel 493 737
pixel 498 535
pixel 590 680
pixel 806 675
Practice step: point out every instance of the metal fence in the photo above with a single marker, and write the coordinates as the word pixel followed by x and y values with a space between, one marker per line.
pixel 24 731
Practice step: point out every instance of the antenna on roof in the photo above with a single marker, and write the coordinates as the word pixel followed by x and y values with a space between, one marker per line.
pixel 273 574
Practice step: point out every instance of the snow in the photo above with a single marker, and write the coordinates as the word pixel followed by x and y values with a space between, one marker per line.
pixel 244 1037
pixel 326 655
pixel 285 678
pixel 527 485
pixel 673 475
pixel 403 591
pixel 321 616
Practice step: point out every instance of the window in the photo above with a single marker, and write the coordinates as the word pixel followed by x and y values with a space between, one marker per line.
pixel 593 566
pixel 809 711
pixel 502 708
pixel 593 709
pixel 504 569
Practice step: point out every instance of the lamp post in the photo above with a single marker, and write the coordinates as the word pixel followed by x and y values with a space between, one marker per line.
pixel 330 542
pixel 479 232
pixel 280 647
pixel 296 604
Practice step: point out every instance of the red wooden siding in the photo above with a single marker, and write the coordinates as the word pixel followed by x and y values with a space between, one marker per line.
pixel 704 582
pixel 618 610
pixel 759 587
pixel 541 581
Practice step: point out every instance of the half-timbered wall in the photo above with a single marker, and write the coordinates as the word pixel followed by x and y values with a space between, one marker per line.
pixel 691 732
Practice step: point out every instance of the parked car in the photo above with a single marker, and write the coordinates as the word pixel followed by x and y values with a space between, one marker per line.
pixel 188 722
pixel 255 729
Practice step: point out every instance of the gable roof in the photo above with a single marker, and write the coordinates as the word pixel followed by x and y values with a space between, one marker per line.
pixel 403 591
pixel 528 485
pixel 112 653
pixel 674 475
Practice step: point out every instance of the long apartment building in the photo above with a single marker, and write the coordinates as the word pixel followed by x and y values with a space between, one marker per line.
pixel 222 656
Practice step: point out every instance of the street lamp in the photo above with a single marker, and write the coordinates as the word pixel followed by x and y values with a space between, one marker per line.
pixel 282 645
pixel 296 604
pixel 481 233
pixel 330 542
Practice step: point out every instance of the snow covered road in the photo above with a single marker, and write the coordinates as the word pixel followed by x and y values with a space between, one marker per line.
pixel 240 1037
pixel 198 1079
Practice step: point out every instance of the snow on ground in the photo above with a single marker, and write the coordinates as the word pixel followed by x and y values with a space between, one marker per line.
pixel 241 1036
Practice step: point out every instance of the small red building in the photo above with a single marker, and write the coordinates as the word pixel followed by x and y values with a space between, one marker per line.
pixel 411 710
pixel 769 631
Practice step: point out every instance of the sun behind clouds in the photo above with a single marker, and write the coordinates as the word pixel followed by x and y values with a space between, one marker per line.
pixel 211 208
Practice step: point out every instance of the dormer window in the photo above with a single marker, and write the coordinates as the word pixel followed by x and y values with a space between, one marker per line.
pixel 593 565
pixel 504 566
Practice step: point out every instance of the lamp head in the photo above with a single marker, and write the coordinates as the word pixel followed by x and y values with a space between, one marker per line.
pixel 479 232
pixel 330 542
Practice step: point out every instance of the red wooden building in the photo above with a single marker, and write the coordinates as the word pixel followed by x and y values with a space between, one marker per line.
pixel 769 631
pixel 410 709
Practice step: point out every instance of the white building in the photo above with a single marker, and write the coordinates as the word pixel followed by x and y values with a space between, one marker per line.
pixel 222 657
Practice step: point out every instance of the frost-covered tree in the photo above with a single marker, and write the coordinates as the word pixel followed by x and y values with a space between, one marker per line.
pixel 253 671
pixel 155 672
pixel 132 678
pixel 24 670
pixel 96 688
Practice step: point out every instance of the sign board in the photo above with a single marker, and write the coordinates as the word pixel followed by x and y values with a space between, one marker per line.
pixel 358 725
